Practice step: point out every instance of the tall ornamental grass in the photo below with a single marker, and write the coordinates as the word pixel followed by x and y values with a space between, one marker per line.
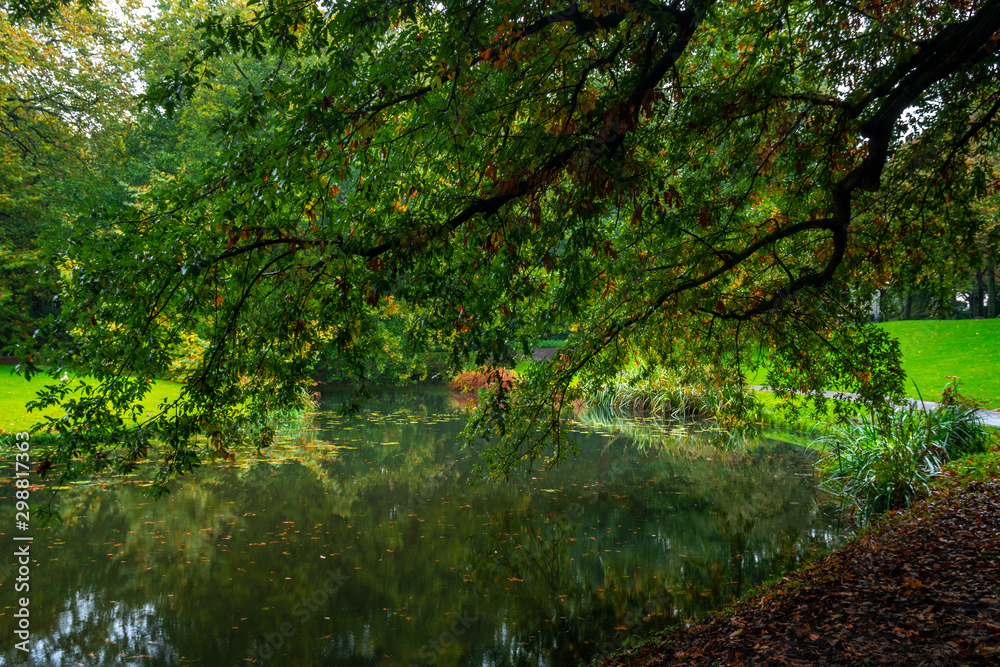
pixel 888 462
pixel 681 394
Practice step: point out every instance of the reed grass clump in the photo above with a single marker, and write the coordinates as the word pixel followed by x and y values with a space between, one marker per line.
pixel 681 393
pixel 886 462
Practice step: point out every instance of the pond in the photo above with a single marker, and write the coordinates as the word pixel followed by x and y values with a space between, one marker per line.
pixel 362 542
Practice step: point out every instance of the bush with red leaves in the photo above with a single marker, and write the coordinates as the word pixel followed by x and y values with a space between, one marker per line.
pixel 470 382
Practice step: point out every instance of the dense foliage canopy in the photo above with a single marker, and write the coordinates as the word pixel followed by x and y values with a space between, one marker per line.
pixel 699 183
pixel 65 79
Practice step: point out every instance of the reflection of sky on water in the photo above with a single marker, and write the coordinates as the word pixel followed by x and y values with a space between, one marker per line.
pixel 136 632
pixel 553 567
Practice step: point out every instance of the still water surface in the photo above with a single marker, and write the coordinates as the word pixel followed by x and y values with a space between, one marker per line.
pixel 361 542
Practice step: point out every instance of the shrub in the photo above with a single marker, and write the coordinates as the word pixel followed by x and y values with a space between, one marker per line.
pixel 186 355
pixel 886 463
pixel 471 382
pixel 675 393
pixel 961 431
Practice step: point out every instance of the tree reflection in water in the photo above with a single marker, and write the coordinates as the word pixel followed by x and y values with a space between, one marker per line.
pixel 549 568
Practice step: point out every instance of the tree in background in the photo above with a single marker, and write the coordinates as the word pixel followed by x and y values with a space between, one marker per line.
pixel 954 277
pixel 686 181
pixel 65 83
pixel 187 138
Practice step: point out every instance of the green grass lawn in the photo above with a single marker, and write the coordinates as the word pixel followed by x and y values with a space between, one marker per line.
pixel 934 349
pixel 15 392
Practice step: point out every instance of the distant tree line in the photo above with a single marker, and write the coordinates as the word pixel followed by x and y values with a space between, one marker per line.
pixel 975 297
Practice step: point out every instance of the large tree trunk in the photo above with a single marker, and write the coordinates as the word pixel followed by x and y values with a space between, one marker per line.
pixel 907 306
pixel 978 292
pixel 991 288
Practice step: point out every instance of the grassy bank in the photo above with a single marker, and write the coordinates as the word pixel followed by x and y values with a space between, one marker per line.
pixel 934 350
pixel 16 392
